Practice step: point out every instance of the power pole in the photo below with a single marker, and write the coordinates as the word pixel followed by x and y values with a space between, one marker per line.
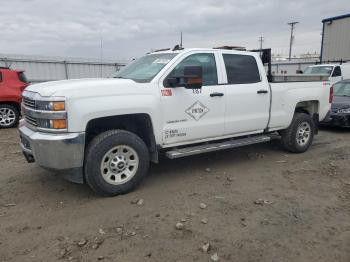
pixel 261 40
pixel 292 25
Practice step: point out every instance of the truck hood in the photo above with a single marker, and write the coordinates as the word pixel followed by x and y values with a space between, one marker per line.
pixel 80 87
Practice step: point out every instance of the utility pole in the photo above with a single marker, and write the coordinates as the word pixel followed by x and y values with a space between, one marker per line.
pixel 292 25
pixel 261 40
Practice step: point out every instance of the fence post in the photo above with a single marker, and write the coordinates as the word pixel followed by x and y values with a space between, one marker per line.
pixel 66 69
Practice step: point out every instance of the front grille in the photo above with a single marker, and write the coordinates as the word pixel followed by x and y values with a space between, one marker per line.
pixel 32 121
pixel 29 102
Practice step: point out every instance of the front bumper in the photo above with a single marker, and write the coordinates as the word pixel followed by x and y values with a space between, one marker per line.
pixel 337 119
pixel 58 152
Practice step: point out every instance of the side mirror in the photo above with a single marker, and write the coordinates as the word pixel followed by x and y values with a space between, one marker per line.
pixel 193 76
pixel 173 81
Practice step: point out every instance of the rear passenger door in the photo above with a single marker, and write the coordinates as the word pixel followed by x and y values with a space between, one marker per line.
pixel 247 95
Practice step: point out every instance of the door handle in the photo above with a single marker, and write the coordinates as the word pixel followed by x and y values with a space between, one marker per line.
pixel 216 94
pixel 262 91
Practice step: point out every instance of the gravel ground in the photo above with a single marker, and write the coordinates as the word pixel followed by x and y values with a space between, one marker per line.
pixel 256 203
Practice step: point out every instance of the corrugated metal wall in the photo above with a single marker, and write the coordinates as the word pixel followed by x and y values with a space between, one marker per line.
pixel 42 70
pixel 336 40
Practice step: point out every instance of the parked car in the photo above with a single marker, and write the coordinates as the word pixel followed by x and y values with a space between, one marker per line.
pixel 335 72
pixel 177 102
pixel 12 84
pixel 339 114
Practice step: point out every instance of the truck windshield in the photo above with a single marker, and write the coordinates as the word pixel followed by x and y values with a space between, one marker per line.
pixel 144 69
pixel 342 89
pixel 318 70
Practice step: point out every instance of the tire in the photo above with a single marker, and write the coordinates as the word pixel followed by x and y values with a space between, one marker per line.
pixel 298 137
pixel 116 161
pixel 9 116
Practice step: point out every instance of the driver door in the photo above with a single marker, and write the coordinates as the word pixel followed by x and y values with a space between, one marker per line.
pixel 191 115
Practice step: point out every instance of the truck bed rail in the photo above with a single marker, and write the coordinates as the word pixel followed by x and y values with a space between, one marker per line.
pixel 298 78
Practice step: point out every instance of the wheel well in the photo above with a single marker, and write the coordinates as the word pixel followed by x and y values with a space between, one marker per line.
pixel 16 105
pixel 139 124
pixel 309 107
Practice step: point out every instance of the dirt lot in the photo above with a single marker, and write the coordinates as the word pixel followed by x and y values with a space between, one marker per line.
pixel 303 213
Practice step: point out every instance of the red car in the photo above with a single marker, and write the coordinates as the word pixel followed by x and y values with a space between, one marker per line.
pixel 12 84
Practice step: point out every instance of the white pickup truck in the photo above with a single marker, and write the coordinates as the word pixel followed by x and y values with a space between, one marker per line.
pixel 106 131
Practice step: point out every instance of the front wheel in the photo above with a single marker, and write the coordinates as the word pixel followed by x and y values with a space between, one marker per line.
pixel 298 137
pixel 116 162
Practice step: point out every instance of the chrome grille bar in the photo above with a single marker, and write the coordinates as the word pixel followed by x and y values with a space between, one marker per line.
pixel 28 102
pixel 32 121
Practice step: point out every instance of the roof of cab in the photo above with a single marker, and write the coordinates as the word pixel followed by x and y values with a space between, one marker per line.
pixel 202 49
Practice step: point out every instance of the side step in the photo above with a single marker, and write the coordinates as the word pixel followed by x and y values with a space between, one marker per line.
pixel 199 149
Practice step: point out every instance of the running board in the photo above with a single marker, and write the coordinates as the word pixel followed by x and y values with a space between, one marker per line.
pixel 195 150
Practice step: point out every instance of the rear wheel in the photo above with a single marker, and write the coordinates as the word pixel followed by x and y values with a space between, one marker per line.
pixel 116 162
pixel 9 116
pixel 298 137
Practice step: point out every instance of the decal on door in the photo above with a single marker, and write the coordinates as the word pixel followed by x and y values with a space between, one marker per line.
pixel 172 133
pixel 176 121
pixel 197 110
pixel 166 92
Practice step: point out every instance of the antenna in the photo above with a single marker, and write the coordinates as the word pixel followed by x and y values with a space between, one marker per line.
pixel 181 39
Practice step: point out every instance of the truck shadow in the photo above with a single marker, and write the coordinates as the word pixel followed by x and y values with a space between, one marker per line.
pixel 167 169
pixel 225 158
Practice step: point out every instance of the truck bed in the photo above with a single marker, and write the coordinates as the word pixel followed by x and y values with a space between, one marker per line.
pixel 287 95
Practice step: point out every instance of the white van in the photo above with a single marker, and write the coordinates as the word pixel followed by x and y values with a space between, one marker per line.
pixel 335 72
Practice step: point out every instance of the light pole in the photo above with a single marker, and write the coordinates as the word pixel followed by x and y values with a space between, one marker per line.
pixel 292 25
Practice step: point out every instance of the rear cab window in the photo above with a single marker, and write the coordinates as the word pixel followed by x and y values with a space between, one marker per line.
pixel 22 77
pixel 241 69
pixel 336 71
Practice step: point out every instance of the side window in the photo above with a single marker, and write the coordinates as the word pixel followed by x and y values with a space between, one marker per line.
pixel 241 69
pixel 206 61
pixel 337 71
pixel 0 77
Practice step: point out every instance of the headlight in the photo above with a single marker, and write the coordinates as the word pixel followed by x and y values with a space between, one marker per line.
pixel 344 110
pixel 51 105
pixel 52 123
pixel 45 114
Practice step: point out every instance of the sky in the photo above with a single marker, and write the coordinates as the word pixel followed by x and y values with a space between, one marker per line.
pixel 129 29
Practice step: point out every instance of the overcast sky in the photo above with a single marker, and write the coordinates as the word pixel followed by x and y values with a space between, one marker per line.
pixel 131 28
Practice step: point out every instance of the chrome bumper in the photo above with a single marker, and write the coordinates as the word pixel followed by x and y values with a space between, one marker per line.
pixel 53 151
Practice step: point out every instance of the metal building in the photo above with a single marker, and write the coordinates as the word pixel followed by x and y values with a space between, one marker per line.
pixel 336 39
pixel 49 69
